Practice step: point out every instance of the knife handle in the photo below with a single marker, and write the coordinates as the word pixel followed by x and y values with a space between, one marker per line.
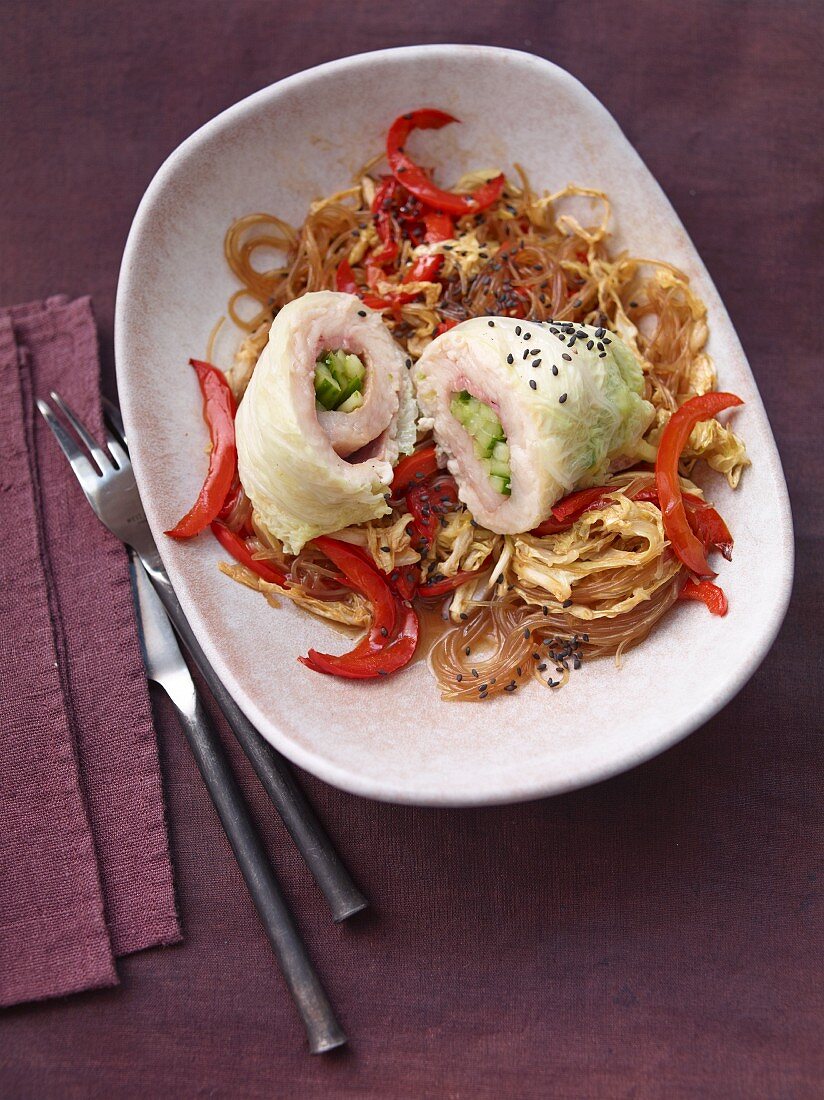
pixel 310 838
pixel 322 1028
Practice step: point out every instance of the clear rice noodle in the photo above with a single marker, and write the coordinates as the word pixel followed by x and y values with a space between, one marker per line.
pixel 534 607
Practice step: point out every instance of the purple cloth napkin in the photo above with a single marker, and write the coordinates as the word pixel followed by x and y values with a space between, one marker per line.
pixel 85 873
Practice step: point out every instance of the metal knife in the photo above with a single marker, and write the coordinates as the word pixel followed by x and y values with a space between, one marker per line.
pixel 165 666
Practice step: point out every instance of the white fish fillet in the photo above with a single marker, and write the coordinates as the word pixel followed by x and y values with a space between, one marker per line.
pixel 308 471
pixel 556 442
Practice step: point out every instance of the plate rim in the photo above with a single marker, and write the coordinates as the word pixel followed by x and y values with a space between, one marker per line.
pixel 318 765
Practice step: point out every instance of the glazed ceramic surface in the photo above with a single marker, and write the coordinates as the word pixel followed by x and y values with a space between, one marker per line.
pixel 395 739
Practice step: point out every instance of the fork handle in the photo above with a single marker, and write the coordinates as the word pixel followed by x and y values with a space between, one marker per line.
pixel 322 1028
pixel 312 841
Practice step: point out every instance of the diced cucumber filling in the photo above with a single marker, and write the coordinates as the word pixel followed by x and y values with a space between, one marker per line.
pixel 339 381
pixel 485 428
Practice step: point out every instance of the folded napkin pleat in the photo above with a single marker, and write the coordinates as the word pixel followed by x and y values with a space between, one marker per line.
pixel 85 873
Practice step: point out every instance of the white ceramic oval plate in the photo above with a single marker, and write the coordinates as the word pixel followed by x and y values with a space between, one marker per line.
pixel 276 151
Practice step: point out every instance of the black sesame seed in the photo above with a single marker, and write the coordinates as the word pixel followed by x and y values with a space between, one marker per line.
pixel 526 354
pixel 554 370
pixel 409 362
pixel 542 666
pixel 419 475
pixel 385 549
pixel 567 603
pixel 599 332
pixel 527 631
pixel 463 616
pixel 585 637
pixel 517 330
pixel 491 324
pixel 566 356
pixel 483 687
pixel 600 346
pixel 384 632
pixel 562 398
pixel 510 359
pixel 607 340
pixel 590 345
pixel 536 363
pixel 571 342
pixel 536 656
pixel 576 663
pixel 533 384
pixel 545 610
pixel 459 677
pixel 467 651
pixel 382 672
pixel 475 673
pixel 527 336
pixel 361 313
pixel 602 355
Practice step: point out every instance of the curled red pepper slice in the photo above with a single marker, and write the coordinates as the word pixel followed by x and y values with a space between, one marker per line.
pixel 424 269
pixel 367 660
pixel 445 326
pixel 219 414
pixel 345 278
pixel 707 593
pixel 439 227
pixel 415 179
pixel 571 508
pixel 685 544
pixel 418 466
pixel 364 577
pixel 705 522
pixel 236 546
pixel 393 636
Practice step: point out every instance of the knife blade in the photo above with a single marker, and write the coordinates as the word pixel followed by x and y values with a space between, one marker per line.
pixel 161 653
pixel 165 666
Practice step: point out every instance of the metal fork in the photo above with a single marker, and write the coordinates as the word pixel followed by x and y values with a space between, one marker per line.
pixel 107 478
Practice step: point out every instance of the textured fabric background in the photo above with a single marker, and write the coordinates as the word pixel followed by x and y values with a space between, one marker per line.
pixel 658 935
pixel 84 858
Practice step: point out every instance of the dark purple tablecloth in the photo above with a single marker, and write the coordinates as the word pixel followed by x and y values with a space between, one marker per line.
pixel 658 935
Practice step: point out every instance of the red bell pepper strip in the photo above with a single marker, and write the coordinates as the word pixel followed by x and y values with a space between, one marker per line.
pixel 368 661
pixel 219 413
pixel 574 505
pixel 571 508
pixel 418 466
pixel 445 326
pixel 236 546
pixel 415 179
pixel 424 269
pixel 448 584
pixel 405 580
pixel 393 636
pixel 385 194
pixel 345 278
pixel 363 576
pixel 439 227
pixel 707 593
pixel 686 546
pixel 705 522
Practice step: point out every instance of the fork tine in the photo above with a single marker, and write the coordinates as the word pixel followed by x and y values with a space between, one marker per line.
pixel 112 414
pixel 101 458
pixel 116 448
pixel 87 475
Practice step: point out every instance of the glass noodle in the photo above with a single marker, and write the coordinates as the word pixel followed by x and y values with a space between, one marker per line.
pixel 531 256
